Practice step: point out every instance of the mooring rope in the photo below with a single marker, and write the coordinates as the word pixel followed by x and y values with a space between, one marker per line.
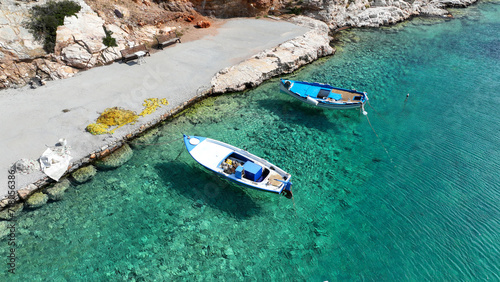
pixel 380 140
pixel 376 112
pixel 293 200
pixel 372 107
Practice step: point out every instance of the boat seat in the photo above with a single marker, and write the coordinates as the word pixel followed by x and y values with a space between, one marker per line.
pixel 274 179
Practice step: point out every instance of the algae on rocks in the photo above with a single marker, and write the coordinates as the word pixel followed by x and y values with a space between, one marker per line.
pixel 37 200
pixel 4 229
pixel 56 192
pixel 84 174
pixel 149 137
pixel 11 212
pixel 116 159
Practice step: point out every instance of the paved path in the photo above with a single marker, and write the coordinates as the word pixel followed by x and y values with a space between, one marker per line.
pixel 32 119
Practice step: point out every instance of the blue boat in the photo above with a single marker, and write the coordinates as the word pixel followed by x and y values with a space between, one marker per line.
pixel 239 165
pixel 323 95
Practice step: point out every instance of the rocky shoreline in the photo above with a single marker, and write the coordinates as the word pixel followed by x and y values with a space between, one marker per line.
pixel 79 44
pixel 112 148
pixel 12 206
pixel 284 58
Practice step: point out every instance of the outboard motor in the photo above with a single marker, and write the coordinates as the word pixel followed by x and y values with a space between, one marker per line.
pixel 287 192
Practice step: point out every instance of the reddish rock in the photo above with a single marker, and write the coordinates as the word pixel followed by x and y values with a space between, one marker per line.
pixel 189 18
pixel 203 24
pixel 105 153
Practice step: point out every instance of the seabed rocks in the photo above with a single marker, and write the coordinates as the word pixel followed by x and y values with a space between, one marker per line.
pixel 56 192
pixel 11 212
pixel 37 200
pixel 148 138
pixel 4 229
pixel 116 159
pixel 84 174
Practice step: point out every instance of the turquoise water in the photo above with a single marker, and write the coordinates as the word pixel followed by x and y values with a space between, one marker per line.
pixel 419 202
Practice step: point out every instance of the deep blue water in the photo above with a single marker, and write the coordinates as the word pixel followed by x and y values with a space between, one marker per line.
pixel 415 199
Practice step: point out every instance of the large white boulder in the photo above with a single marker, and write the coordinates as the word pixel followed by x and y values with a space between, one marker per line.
pixel 79 40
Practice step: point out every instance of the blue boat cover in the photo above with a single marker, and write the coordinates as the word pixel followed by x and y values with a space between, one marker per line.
pixel 335 96
pixel 305 90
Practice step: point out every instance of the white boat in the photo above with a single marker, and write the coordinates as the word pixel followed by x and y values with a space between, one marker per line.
pixel 239 165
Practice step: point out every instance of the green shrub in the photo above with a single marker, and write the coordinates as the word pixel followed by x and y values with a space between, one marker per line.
pixel 46 18
pixel 296 10
pixel 108 41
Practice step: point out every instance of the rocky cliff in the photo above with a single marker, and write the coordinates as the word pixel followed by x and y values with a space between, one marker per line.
pixel 374 13
pixel 79 43
pixel 21 57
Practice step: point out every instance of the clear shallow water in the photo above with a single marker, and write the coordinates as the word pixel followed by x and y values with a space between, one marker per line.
pixel 432 213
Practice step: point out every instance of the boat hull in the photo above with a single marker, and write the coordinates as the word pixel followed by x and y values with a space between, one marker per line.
pixel 319 102
pixel 248 170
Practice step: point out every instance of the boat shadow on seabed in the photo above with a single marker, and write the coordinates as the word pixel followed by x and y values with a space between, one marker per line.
pixel 295 112
pixel 204 188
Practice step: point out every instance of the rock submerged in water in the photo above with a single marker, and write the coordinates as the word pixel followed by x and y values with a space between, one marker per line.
pixel 116 159
pixel 11 212
pixel 37 200
pixel 84 174
pixel 56 192
pixel 4 229
pixel 146 139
